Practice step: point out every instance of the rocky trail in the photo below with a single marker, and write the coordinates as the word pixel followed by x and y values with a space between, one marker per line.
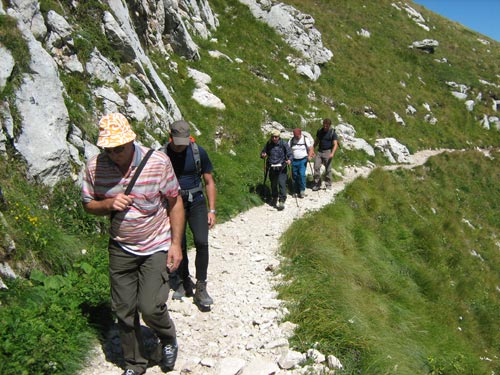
pixel 242 333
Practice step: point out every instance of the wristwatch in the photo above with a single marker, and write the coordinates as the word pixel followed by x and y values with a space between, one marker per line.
pixel 213 211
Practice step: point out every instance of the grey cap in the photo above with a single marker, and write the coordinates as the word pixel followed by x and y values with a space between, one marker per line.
pixel 179 130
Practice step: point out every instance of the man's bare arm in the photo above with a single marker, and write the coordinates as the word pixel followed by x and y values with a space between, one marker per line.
pixel 177 222
pixel 101 208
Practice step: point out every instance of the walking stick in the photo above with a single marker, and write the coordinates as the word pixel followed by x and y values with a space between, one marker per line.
pixel 312 172
pixel 266 172
pixel 289 170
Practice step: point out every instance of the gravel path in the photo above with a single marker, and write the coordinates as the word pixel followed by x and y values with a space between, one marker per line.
pixel 242 333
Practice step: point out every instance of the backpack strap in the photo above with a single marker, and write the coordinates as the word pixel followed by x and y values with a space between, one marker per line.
pixel 330 135
pixel 197 162
pixel 196 155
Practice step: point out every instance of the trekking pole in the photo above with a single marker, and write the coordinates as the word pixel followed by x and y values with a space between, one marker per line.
pixel 312 172
pixel 266 172
pixel 289 170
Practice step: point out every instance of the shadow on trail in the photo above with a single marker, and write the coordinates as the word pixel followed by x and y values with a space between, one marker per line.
pixel 101 318
pixel 263 191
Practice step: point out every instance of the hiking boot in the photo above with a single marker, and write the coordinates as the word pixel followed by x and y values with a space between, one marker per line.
pixel 130 372
pixel 201 296
pixel 169 356
pixel 315 188
pixel 302 194
pixel 185 289
pixel 281 206
pixel 179 292
pixel 274 202
pixel 188 286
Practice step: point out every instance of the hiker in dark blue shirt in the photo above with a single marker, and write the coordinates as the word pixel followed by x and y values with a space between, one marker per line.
pixel 327 142
pixel 192 165
pixel 279 156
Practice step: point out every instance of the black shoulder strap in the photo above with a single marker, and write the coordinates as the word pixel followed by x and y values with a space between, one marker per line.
pixel 138 172
pixel 136 175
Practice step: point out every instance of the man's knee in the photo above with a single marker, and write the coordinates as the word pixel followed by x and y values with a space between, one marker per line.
pixel 125 318
pixel 201 246
pixel 151 312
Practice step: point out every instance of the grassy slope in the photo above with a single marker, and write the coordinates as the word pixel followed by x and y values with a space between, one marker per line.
pixel 368 71
pixel 402 270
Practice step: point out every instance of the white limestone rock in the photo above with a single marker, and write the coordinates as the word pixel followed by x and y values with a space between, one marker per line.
pixel 459 95
pixel 349 141
pixel 230 366
pixel 334 363
pixel 426 45
pixel 28 12
pixel 290 359
pixel 112 102
pixel 399 119
pixel 261 367
pixel 136 109
pixel 119 38
pixel 7 64
pixel 364 33
pixel 44 119
pixel 59 30
pixel 102 68
pixel 298 31
pixel 393 150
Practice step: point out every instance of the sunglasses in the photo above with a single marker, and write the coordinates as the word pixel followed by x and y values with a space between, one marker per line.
pixel 114 150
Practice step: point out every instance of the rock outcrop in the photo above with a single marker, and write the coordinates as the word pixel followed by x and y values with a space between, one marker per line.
pixel 298 31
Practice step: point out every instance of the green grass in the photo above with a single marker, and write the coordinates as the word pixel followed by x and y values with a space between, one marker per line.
pixel 385 278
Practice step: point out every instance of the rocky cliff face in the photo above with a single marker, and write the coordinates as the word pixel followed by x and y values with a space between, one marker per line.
pixel 35 120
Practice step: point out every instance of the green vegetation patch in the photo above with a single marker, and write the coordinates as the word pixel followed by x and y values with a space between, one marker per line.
pixel 400 274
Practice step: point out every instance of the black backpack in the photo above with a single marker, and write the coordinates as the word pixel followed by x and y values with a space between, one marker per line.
pixel 330 136
pixel 281 143
pixel 196 154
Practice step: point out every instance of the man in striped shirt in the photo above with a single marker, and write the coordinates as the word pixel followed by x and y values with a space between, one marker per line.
pixel 145 236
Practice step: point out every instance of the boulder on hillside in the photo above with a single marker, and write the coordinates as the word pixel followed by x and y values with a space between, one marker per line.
pixel 348 140
pixel 426 45
pixel 298 31
pixel 393 150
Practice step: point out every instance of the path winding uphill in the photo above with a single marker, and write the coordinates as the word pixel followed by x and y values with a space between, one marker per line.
pixel 242 333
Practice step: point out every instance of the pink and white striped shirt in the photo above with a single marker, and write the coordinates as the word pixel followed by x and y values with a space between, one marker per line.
pixel 143 228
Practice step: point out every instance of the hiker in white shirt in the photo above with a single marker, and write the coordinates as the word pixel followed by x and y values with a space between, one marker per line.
pixel 302 152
